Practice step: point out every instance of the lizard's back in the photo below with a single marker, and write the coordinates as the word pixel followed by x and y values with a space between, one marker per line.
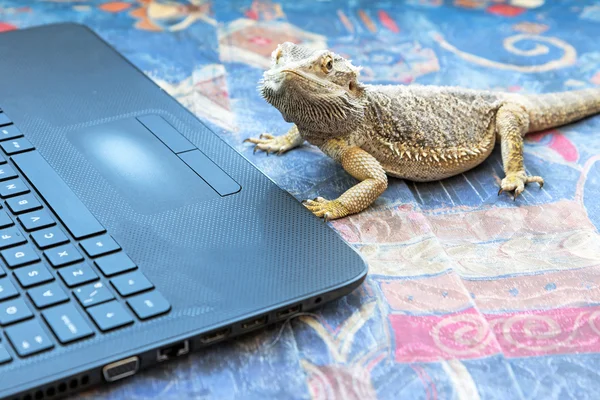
pixel 424 133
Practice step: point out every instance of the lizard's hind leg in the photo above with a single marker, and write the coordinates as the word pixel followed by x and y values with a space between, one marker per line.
pixel 512 122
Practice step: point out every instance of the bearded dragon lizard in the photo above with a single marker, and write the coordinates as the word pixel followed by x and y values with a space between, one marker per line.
pixel 414 132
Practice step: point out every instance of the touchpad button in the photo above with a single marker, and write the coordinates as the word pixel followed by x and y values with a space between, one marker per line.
pixel 140 167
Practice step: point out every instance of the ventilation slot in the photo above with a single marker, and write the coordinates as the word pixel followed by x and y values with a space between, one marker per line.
pixel 60 388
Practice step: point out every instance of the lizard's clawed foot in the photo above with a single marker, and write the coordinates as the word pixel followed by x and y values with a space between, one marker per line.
pixel 271 144
pixel 327 209
pixel 516 183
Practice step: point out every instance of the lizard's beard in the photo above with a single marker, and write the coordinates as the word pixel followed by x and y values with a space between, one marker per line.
pixel 319 110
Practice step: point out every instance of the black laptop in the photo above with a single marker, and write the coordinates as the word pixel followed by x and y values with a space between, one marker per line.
pixel 130 234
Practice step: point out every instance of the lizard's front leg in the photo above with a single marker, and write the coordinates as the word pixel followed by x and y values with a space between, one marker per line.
pixel 512 122
pixel 277 144
pixel 362 166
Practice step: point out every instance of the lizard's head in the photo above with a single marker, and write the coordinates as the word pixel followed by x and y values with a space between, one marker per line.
pixel 315 89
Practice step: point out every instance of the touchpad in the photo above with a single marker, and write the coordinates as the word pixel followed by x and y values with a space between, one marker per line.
pixel 140 167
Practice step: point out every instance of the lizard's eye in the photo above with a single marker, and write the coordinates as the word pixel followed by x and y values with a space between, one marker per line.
pixel 328 64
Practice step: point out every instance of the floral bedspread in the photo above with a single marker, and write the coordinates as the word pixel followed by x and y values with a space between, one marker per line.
pixel 469 295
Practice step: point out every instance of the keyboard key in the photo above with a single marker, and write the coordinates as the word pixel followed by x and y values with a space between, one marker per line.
pixel 15 146
pixel 20 255
pixel 36 220
pixel 132 283
pixel 11 237
pixel 90 295
pixel 13 187
pixel 21 204
pixel 77 275
pixel 33 275
pixel 7 172
pixel 100 245
pixel 2 273
pixel 28 338
pixel 4 120
pixel 5 220
pixel 10 132
pixel 14 311
pixel 110 315
pixel 67 323
pixel 63 255
pixel 4 355
pixel 49 237
pixel 148 305
pixel 7 289
pixel 47 295
pixel 115 263
pixel 61 199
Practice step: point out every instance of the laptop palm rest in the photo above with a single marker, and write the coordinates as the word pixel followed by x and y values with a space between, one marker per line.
pixel 140 167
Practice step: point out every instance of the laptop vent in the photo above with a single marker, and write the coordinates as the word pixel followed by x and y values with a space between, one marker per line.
pixel 56 390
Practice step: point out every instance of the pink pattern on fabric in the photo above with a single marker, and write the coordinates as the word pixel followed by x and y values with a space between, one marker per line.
pixel 505 10
pixel 463 335
pixel 557 142
pixel 5 27
pixel 558 331
pixel 388 21
pixel 437 294
pixel 564 147
pixel 469 335
pixel 540 291
pixel 260 40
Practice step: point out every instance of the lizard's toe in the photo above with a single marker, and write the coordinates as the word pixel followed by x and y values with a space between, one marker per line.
pixel 270 144
pixel 516 183
pixel 263 146
pixel 536 179
pixel 315 201
pixel 327 209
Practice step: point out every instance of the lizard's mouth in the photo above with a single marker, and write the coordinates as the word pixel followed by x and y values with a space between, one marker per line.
pixel 278 85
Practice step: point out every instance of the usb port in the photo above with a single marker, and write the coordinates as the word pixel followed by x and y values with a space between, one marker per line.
pixel 288 313
pixel 254 323
pixel 214 336
pixel 176 350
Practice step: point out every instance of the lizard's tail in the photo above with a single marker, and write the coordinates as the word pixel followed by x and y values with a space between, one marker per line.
pixel 552 110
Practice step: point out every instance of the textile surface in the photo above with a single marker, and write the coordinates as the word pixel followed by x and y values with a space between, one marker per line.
pixel 469 295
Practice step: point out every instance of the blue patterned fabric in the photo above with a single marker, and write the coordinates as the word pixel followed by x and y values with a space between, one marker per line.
pixel 469 295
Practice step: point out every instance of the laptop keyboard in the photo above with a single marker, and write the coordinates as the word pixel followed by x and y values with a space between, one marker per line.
pixel 63 278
